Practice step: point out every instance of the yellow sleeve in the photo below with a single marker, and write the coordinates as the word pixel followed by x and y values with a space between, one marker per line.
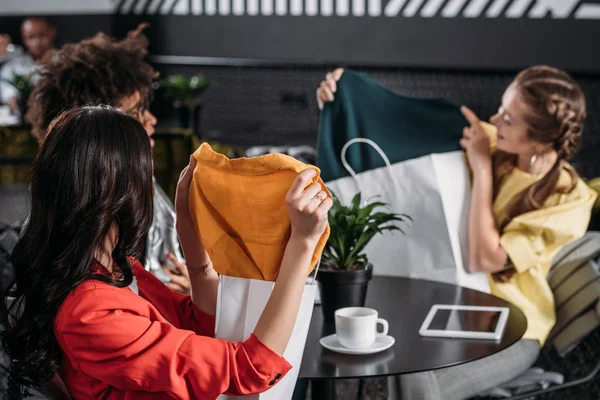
pixel 595 185
pixel 533 238
pixel 492 133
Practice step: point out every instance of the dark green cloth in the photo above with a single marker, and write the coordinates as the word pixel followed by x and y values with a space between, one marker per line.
pixel 404 127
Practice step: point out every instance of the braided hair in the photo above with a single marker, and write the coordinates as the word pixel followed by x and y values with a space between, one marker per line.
pixel 556 117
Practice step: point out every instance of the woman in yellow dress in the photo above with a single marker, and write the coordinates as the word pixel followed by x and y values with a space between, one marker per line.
pixel 527 202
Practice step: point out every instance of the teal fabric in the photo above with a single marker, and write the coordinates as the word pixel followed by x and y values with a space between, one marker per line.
pixel 404 127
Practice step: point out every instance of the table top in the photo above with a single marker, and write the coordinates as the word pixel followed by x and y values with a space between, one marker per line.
pixel 404 303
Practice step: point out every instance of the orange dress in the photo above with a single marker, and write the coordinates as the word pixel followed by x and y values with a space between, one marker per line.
pixel 117 344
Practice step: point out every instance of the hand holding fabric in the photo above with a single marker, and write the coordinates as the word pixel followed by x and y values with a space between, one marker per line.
pixel 191 244
pixel 308 207
pixel 476 143
pixel 325 92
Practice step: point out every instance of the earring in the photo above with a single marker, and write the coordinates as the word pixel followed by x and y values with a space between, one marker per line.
pixel 532 161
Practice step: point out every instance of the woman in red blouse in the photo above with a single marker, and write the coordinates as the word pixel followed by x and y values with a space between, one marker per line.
pixel 75 315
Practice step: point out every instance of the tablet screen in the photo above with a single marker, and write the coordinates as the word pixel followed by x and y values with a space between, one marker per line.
pixel 465 320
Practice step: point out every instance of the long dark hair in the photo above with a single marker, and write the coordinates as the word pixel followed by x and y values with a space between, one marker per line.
pixel 93 172
pixel 557 115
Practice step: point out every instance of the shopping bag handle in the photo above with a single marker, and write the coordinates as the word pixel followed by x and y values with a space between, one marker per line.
pixel 314 278
pixel 376 147
pixel 362 140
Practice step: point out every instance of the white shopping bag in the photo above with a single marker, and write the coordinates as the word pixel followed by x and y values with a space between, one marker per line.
pixel 240 304
pixel 434 190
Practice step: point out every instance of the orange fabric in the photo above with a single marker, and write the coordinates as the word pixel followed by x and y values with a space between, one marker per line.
pixel 118 345
pixel 238 208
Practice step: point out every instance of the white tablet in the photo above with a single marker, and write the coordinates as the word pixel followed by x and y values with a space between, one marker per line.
pixel 465 322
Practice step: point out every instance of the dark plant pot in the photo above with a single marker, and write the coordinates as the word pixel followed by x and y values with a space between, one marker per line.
pixel 23 107
pixel 183 114
pixel 22 111
pixel 197 119
pixel 341 289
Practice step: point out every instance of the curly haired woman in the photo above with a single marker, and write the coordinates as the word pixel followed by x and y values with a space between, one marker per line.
pixel 102 70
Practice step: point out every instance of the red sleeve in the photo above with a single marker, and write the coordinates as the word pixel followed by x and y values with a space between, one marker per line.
pixel 109 339
pixel 177 308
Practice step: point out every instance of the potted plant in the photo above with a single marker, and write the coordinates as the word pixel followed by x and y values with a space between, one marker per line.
pixel 24 84
pixel 345 271
pixel 183 92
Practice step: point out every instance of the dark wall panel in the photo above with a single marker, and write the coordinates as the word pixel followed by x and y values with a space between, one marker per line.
pixel 472 34
pixel 419 42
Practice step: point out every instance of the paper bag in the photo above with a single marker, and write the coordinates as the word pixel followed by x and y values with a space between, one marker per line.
pixel 434 190
pixel 240 304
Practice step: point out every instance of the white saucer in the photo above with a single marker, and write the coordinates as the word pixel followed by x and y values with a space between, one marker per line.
pixel 381 343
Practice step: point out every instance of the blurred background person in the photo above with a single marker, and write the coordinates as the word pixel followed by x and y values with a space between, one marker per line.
pixel 38 36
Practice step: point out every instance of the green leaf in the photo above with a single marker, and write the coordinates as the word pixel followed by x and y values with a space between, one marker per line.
pixel 356 202
pixel 361 243
pixel 368 209
pixel 186 90
pixel 354 226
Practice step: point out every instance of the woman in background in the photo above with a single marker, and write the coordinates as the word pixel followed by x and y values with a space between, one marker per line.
pixel 77 316
pixel 527 202
pixel 102 70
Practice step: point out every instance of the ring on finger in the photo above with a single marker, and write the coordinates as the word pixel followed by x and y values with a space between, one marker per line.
pixel 321 197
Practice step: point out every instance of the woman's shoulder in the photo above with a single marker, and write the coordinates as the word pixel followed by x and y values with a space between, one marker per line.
pixel 91 288
pixel 94 297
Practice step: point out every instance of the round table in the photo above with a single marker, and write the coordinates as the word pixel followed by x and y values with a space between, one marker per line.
pixel 404 303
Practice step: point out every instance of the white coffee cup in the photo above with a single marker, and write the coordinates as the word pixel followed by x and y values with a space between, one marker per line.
pixel 356 327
